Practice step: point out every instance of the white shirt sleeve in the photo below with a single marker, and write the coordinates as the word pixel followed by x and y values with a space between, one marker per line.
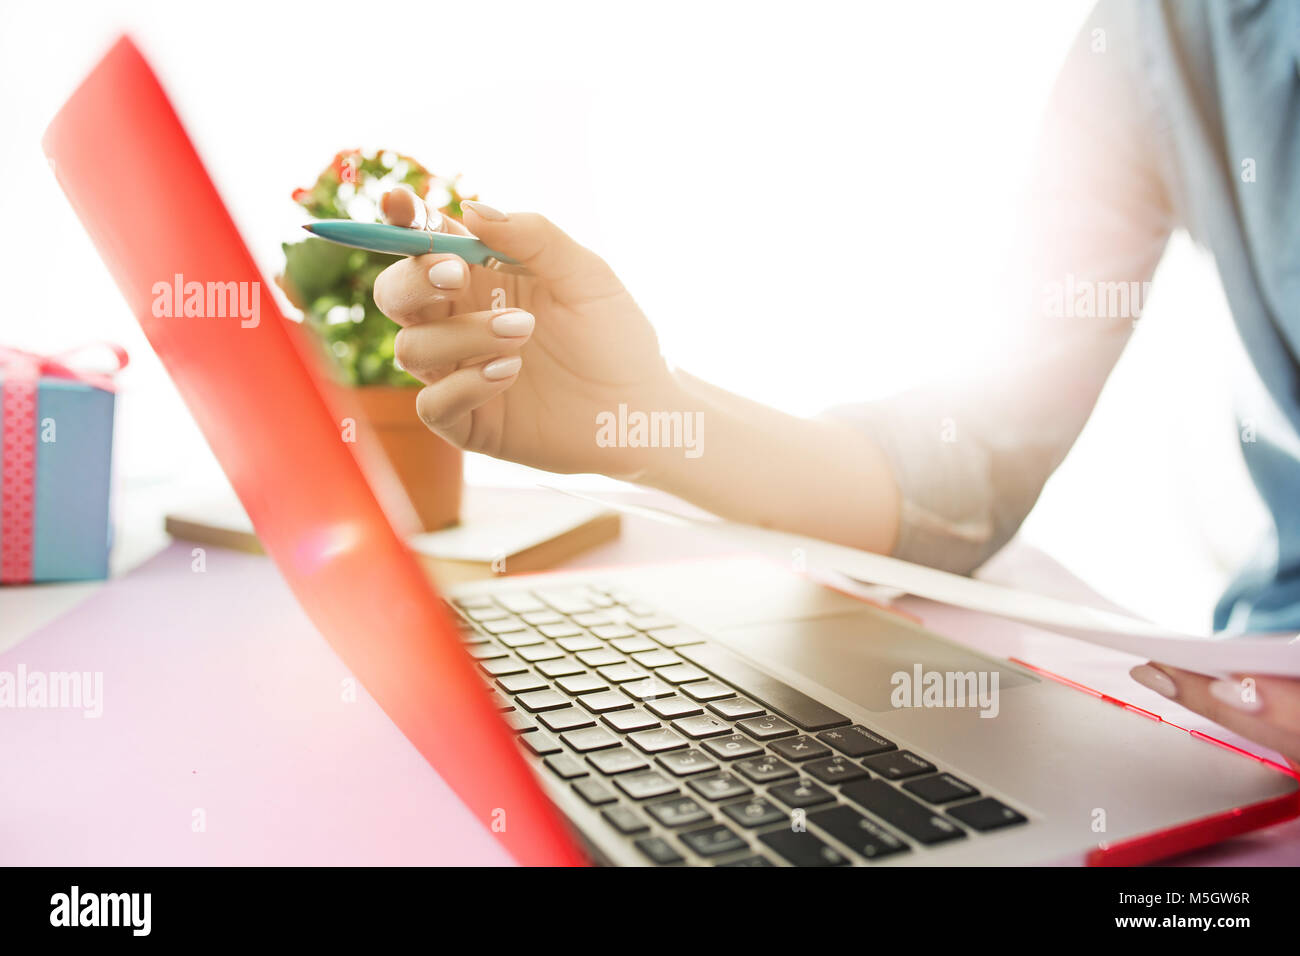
pixel 972 457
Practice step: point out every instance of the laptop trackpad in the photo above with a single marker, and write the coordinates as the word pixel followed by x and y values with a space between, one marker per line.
pixel 856 655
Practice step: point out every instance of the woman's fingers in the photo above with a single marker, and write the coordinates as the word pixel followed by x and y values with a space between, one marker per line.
pixel 428 350
pixel 572 272
pixel 402 207
pixel 447 406
pixel 422 288
pixel 1263 709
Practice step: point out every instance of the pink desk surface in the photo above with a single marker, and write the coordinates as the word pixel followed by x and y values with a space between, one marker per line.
pixel 220 697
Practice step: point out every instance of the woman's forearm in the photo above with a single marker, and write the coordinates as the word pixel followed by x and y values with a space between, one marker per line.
pixel 761 466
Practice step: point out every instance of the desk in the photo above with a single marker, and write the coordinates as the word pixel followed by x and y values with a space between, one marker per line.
pixel 223 707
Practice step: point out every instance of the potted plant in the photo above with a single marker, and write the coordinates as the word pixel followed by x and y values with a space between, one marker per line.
pixel 333 284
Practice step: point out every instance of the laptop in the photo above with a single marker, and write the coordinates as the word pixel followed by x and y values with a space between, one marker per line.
pixel 727 712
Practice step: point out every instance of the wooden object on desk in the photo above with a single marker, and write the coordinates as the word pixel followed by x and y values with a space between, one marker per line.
pixel 502 532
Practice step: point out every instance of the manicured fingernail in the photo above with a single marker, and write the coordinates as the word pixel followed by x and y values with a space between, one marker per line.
pixel 502 368
pixel 513 324
pixel 447 274
pixel 1238 695
pixel 484 211
pixel 1155 679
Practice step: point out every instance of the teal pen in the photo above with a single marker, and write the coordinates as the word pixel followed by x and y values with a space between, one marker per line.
pixel 398 240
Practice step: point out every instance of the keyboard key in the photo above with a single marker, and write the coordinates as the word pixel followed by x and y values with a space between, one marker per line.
pixel 674 635
pixel 645 784
pixel 572 602
pixel 581 684
pixel 713 841
pixel 901 811
pixel 602 657
pixel 608 632
pixel 520 639
pixel 540 743
pixel 473 600
pixel 779 697
pixel 521 683
pixel 718 786
pixel 503 626
pixel 671 707
pixel 835 770
pixel 648 689
pixel 682 763
pixel 624 819
pixel 537 618
pixel 660 658
pixel 520 603
pixel 703 725
pixel 621 673
pixel 658 850
pixel 565 767
pixel 657 741
pixel 634 645
pixel 486 613
pixel 860 834
pixel 766 727
pixel 520 723
pixel 801 848
pixel 622 760
pixel 801 794
pixel 644 619
pixel 732 747
pixel 589 738
pixel 540 652
pixel 583 643
pixel 485 652
pixel 898 765
pixel 764 769
pixel 735 708
pixel 682 674
pixel 941 788
pixel 539 700
pixel 502 666
pixel 799 748
pixel 678 812
pixel 986 814
pixel 568 719
pixel 560 667
pixel 755 813
pixel 595 792
pixel 562 630
pixel 592 618
pixel 626 721
pixel 604 702
pixel 500 700
pixel 707 690
pixel 856 741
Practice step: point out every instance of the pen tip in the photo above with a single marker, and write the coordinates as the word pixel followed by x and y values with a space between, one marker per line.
pixel 309 226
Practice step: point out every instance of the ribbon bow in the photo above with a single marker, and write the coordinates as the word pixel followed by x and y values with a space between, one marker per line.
pixel 17 364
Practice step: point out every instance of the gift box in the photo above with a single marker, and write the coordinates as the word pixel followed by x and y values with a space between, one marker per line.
pixel 56 449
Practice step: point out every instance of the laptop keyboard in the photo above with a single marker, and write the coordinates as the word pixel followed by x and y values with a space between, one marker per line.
pixel 693 753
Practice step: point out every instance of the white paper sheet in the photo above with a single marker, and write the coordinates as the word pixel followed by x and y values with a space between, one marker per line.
pixel 1219 656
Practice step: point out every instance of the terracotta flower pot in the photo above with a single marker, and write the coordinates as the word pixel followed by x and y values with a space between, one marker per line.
pixel 428 467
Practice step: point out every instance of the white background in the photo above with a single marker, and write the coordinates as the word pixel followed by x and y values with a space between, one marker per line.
pixel 812 201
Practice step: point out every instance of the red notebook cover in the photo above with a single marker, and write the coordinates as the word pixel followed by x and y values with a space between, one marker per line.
pixel 133 177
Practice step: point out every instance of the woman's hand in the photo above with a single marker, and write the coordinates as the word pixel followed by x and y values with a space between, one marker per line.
pixel 1263 709
pixel 520 367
